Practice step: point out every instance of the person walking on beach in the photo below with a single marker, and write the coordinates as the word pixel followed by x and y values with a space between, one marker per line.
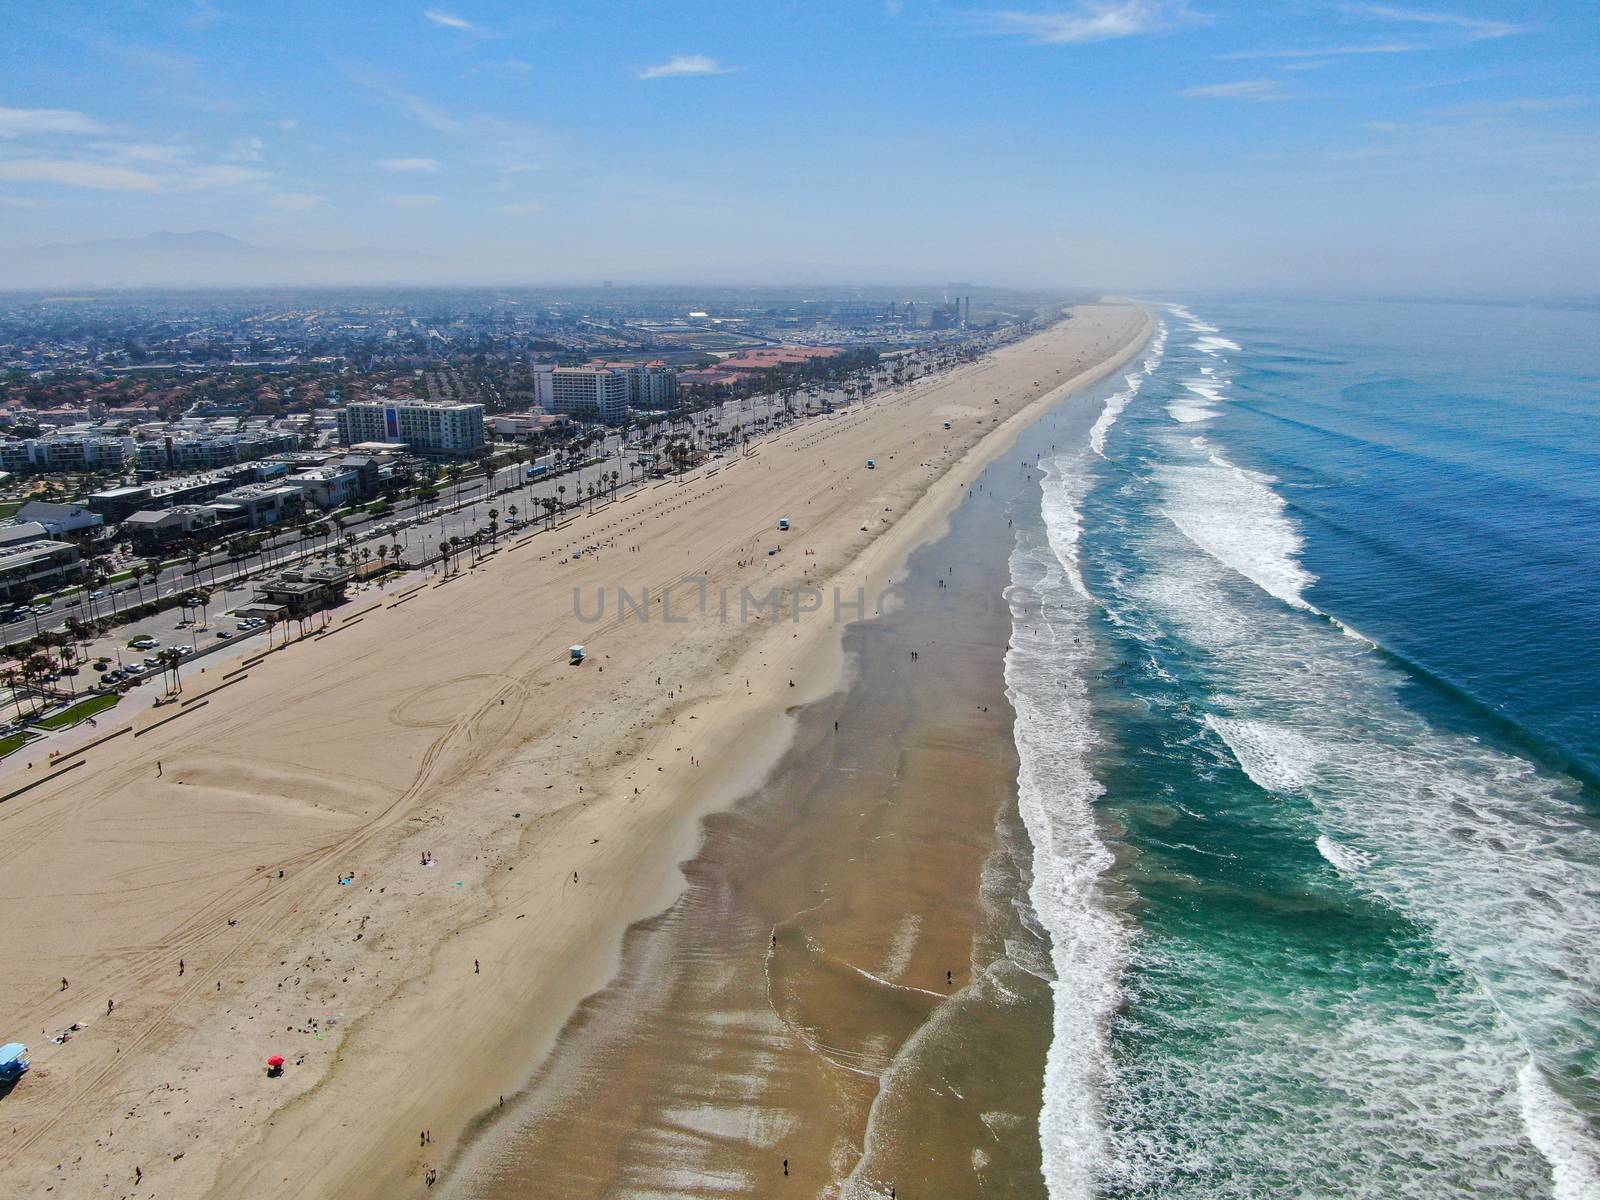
pixel 158 768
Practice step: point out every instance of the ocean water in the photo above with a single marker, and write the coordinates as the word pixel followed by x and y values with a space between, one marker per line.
pixel 1306 666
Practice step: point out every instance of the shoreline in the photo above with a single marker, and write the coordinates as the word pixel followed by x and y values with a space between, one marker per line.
pixel 532 1138
pixel 321 1132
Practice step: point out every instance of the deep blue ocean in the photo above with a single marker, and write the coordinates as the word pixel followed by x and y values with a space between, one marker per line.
pixel 1308 706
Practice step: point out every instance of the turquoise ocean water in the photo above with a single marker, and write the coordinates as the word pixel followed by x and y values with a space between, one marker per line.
pixel 1306 666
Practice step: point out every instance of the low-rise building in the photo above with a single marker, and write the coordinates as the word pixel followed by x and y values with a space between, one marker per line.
pixel 60 519
pixel 328 487
pixel 31 567
pixel 523 425
pixel 159 528
pixel 68 450
pixel 298 593
pixel 259 504
pixel 119 503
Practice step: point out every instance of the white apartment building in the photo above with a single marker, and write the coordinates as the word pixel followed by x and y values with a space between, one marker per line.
pixel 590 393
pixel 445 430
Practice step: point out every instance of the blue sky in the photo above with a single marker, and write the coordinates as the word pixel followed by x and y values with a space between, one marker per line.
pixel 1302 146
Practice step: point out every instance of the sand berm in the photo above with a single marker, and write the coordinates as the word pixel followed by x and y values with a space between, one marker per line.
pixel 556 803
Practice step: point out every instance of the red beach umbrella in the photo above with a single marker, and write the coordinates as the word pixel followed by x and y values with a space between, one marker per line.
pixel 275 1061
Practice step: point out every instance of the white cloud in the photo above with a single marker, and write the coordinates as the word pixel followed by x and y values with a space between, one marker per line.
pixel 413 200
pixel 1095 21
pixel 19 122
pixel 1321 52
pixel 78 174
pixel 1473 28
pixel 204 179
pixel 685 64
pixel 410 164
pixel 526 209
pixel 143 152
pixel 246 149
pixel 1243 89
pixel 451 21
pixel 1515 104
pixel 294 202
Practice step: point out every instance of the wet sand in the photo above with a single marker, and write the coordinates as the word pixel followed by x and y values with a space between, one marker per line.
pixel 850 987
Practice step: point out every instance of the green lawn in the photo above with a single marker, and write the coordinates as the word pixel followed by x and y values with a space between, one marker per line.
pixel 80 711
pixel 11 744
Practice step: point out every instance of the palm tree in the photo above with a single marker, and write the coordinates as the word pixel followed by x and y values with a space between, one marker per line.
pixel 512 513
pixel 37 667
pixel 494 515
pixel 12 678
pixel 170 662
pixel 561 493
pixel 67 654
pixel 38 601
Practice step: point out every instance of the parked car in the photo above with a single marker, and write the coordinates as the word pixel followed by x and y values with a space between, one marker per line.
pixel 144 643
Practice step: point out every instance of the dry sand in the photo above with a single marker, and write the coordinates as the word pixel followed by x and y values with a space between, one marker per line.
pixel 556 801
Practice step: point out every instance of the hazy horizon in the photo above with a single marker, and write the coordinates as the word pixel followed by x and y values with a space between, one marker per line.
pixel 1113 145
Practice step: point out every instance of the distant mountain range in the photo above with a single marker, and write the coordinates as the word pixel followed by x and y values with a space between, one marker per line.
pixel 201 258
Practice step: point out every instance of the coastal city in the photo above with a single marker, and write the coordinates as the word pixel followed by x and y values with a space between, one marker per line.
pixel 891 600
pixel 185 477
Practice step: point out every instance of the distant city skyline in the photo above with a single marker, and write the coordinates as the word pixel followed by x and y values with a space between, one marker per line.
pixel 1345 148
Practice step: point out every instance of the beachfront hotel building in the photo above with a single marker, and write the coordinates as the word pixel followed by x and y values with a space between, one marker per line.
pixel 590 393
pixel 430 429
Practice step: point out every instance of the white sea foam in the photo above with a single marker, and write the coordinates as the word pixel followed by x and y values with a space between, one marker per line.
pixel 1561 1137
pixel 1234 516
pixel 1345 859
pixel 1190 414
pixel 1189 319
pixel 1276 758
pixel 1056 792
pixel 1131 384
pixel 1492 862
pixel 1465 840
pixel 1213 345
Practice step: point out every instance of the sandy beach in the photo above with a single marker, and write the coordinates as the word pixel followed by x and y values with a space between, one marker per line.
pixel 244 875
